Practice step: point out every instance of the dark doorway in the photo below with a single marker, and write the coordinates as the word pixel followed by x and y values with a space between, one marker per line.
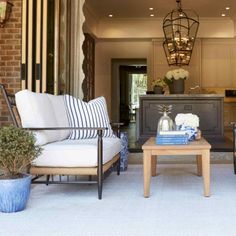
pixel 128 75
pixel 133 82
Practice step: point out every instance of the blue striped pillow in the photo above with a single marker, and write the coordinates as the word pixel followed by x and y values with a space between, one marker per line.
pixel 91 114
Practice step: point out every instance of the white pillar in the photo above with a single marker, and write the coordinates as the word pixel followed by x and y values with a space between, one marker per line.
pixel 77 56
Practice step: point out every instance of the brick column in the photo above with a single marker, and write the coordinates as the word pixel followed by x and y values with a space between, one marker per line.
pixel 10 57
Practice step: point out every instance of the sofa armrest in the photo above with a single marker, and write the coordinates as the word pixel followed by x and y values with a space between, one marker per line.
pixel 99 129
pixel 65 128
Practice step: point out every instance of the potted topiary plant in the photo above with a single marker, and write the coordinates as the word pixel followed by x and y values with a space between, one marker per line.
pixel 17 151
pixel 158 85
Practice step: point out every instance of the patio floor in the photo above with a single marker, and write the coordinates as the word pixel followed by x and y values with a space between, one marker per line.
pixel 176 206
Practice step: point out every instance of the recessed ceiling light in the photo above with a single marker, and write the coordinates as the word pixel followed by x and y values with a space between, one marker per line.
pixel 223 14
pixel 151 14
pixel 110 15
pixel 151 8
pixel 227 8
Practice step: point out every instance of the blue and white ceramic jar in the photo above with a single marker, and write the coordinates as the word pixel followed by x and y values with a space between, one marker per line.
pixel 124 151
pixel 192 132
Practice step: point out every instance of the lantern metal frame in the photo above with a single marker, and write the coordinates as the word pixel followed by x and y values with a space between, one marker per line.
pixel 180 29
pixel 5 12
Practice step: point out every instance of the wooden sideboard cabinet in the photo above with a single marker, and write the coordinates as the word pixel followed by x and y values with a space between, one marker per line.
pixel 209 108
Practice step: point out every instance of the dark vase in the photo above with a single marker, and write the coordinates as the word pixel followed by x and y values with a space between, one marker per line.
pixel 177 87
pixel 158 90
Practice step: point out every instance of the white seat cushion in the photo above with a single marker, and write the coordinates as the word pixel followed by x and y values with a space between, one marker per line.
pixel 77 153
pixel 43 110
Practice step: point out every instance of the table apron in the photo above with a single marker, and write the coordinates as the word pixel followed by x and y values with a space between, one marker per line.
pixel 179 152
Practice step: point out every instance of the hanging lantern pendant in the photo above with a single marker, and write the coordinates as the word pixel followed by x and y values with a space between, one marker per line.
pixel 180 30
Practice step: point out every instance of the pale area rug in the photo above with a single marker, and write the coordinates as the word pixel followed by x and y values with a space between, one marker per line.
pixel 176 206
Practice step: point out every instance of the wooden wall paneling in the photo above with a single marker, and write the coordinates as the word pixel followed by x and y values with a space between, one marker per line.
pixel 194 68
pixel 218 57
pixel 38 73
pixel 41 74
pixel 64 46
pixel 160 66
pixel 30 45
pixel 56 46
pixel 35 44
pixel 233 65
pixel 24 48
pixel 44 46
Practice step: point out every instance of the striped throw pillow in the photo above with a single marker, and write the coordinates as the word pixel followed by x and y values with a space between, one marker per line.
pixel 91 114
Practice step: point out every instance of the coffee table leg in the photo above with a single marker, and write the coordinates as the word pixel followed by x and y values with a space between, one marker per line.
pixel 199 165
pixel 206 172
pixel 146 172
pixel 154 165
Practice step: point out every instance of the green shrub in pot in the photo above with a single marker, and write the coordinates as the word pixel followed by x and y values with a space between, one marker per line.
pixel 17 151
pixel 158 85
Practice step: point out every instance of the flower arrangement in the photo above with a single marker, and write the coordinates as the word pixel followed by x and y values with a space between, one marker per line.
pixel 187 120
pixel 176 75
pixel 158 82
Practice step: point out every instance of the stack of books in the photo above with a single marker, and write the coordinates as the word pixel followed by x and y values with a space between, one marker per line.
pixel 172 137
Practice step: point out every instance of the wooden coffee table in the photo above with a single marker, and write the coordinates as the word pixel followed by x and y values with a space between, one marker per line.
pixel 200 148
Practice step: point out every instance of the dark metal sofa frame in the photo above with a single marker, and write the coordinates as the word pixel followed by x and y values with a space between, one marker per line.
pixel 98 171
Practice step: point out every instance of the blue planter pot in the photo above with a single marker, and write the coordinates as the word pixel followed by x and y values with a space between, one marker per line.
pixel 14 194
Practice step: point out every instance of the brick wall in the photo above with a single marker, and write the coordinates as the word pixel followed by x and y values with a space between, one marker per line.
pixel 10 57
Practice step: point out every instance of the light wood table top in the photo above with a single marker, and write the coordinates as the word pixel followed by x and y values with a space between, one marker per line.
pixel 197 144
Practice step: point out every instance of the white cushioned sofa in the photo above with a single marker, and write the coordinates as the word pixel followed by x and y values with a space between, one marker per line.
pixel 65 151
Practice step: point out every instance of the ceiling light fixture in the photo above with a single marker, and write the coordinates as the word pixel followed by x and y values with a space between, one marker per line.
pixel 151 8
pixel 227 8
pixel 152 15
pixel 180 30
pixel 223 14
pixel 110 15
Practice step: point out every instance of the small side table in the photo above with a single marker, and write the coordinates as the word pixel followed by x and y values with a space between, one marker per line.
pixel 200 148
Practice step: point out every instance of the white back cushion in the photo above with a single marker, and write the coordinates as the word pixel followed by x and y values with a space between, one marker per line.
pixel 42 110
pixel 91 114
pixel 59 109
